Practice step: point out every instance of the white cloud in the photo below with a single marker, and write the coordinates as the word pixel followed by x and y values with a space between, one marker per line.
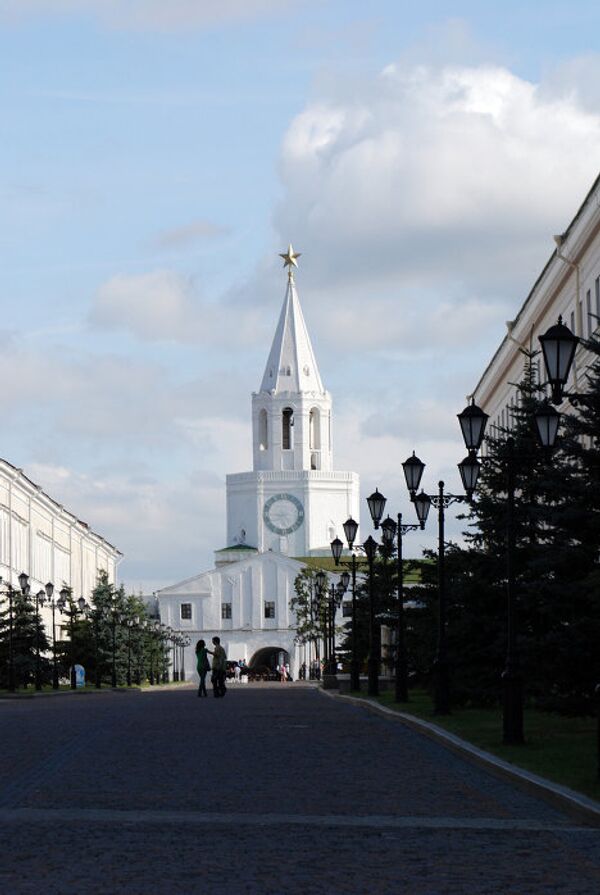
pixel 188 234
pixel 162 527
pixel 157 305
pixel 442 176
pixel 164 306
pixel 150 14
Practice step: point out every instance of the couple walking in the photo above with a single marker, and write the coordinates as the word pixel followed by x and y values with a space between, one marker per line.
pixel 219 667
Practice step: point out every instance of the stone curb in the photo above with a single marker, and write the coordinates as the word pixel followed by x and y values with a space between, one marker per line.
pixel 576 805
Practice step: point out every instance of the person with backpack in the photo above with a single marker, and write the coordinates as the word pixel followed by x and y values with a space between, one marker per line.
pixel 202 665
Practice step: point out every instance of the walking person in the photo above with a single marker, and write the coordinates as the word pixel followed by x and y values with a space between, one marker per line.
pixel 219 668
pixel 203 666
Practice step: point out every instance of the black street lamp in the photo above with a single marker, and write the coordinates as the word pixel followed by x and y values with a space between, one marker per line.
pixel 546 421
pixel 371 547
pixel 185 642
pixel 558 346
pixel 40 598
pixel 9 592
pixel 171 650
pixel 321 588
pixel 389 529
pixel 114 621
pixel 413 472
pixel 336 593
pixel 131 624
pixel 39 601
pixel 49 588
pixel 337 546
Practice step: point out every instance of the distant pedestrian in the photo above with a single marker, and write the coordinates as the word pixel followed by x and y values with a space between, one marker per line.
pixel 237 673
pixel 282 675
pixel 219 668
pixel 203 666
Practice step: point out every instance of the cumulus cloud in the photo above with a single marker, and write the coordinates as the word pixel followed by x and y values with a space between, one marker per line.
pixel 161 526
pixel 150 14
pixel 156 305
pixel 162 305
pixel 188 234
pixel 433 174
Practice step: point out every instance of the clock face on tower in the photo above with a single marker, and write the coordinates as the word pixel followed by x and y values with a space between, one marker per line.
pixel 283 514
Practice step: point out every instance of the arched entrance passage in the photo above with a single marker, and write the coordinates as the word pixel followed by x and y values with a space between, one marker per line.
pixel 270 657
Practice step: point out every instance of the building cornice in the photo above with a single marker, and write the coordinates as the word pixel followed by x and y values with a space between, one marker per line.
pixel 36 494
pixel 552 279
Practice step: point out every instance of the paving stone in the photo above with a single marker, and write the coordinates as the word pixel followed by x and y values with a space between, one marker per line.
pixel 313 788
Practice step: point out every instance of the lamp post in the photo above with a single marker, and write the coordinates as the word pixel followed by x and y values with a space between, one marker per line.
pixel 39 601
pixel 413 472
pixel 115 619
pixel 49 588
pixel 9 593
pixel 337 546
pixel 389 530
pixel 185 642
pixel 473 421
pixel 320 589
pixel 131 623
pixel 370 548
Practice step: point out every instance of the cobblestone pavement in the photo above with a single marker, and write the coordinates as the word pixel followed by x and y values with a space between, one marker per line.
pixel 272 790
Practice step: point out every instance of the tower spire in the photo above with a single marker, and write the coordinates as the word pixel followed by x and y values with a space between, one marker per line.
pixel 291 366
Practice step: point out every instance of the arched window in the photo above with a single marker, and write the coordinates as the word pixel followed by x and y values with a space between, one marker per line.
pixel 287 421
pixel 263 430
pixel 314 427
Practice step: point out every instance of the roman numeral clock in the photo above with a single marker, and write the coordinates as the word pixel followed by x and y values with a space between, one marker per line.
pixel 283 514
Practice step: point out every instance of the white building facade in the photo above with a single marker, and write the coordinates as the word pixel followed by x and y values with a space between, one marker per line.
pixel 291 505
pixel 568 286
pixel 40 537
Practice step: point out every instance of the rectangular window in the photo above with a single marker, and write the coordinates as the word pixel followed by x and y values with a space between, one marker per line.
pixel 572 327
pixel 588 311
pixel 225 610
pixel 347 609
pixel 269 609
pixel 597 321
pixel 186 610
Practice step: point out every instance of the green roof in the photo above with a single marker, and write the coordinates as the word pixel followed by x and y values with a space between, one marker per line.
pixel 411 575
pixel 237 547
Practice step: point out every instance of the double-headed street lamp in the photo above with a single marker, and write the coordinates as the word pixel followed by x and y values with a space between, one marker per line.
pixel 369 548
pixel 334 595
pixel 389 530
pixel 39 601
pixel 558 346
pixel 10 594
pixel 413 473
pixel 49 588
pixel 132 622
pixel 337 548
pixel 182 641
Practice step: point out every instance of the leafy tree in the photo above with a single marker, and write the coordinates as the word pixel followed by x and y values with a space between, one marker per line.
pixel 310 608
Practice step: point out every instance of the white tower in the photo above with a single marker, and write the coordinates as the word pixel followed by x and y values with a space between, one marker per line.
pixel 293 502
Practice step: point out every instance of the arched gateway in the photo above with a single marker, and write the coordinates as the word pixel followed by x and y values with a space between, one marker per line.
pixel 270 656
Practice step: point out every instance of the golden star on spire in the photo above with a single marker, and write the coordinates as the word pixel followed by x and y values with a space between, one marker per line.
pixel 290 260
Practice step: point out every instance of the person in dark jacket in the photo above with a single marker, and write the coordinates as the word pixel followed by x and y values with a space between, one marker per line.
pixel 202 665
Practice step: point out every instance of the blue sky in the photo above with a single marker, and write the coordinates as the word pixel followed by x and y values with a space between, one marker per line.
pixel 155 158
